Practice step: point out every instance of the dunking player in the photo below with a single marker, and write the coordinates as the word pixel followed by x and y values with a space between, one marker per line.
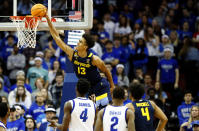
pixel 116 117
pixel 86 65
pixel 145 110
pixel 4 113
pixel 79 113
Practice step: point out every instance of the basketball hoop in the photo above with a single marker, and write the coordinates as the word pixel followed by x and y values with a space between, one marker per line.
pixel 26 30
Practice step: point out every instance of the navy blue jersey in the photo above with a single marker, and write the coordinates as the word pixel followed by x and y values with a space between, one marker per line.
pixel 84 69
pixel 144 114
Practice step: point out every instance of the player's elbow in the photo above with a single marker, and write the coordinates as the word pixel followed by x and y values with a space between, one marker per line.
pixel 164 119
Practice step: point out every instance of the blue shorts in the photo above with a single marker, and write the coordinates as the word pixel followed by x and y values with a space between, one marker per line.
pixel 102 92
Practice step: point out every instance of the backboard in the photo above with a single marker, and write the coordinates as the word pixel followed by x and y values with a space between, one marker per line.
pixel 69 14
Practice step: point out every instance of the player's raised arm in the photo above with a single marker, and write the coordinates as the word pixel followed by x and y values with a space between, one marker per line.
pixel 100 64
pixel 158 113
pixel 67 49
pixel 99 122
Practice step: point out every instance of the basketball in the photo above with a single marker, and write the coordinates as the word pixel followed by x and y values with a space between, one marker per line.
pixel 38 10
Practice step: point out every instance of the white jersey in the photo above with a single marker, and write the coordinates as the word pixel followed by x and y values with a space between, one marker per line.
pixel 2 125
pixel 114 118
pixel 82 114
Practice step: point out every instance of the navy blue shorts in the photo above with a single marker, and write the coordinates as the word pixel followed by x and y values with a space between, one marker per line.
pixel 102 92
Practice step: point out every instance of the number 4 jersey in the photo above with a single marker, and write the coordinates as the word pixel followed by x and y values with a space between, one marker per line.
pixel 82 114
pixel 114 118
pixel 144 114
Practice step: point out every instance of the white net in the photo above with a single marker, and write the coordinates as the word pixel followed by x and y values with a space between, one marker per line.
pixel 26 31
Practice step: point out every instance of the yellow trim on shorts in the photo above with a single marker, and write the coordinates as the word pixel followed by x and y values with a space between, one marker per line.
pixel 101 96
pixel 90 54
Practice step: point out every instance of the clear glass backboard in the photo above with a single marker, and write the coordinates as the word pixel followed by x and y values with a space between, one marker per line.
pixel 68 14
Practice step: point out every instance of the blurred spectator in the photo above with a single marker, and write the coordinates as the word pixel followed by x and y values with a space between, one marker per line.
pixel 144 21
pixel 113 12
pixel 36 72
pixel 53 71
pixel 195 125
pixel 24 6
pixel 50 113
pixel 5 78
pixel 16 61
pixel 56 89
pixel 185 31
pixel 109 25
pixel 8 48
pixel 4 99
pixel 139 75
pixel 175 41
pixel 42 117
pixel 189 56
pixel 114 75
pixel 103 34
pixel 20 96
pixel 184 109
pixel 46 94
pixel 38 107
pixel 123 80
pixel 30 124
pixel 138 31
pixel 39 84
pixel 123 27
pixel 97 47
pixel 124 53
pixel 160 94
pixel 166 42
pixel 48 59
pixel 168 76
pixel 13 123
pixel 110 55
pixel 153 46
pixel 2 92
pixel 21 82
pixel 147 82
pixel 140 55
pixel 126 100
pixel 19 112
pixel 194 115
pixel 4 114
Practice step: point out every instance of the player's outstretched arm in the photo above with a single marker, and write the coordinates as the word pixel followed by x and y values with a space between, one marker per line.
pixel 66 118
pixel 99 122
pixel 158 113
pixel 67 49
pixel 130 119
pixel 100 64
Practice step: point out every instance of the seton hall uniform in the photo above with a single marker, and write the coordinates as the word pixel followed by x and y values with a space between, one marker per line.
pixel 144 114
pixel 82 114
pixel 114 118
pixel 2 125
pixel 99 86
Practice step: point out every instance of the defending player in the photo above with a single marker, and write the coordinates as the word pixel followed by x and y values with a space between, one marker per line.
pixel 116 117
pixel 79 113
pixel 4 114
pixel 145 110
pixel 86 65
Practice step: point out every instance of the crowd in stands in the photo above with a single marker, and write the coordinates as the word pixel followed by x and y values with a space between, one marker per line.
pixel 139 41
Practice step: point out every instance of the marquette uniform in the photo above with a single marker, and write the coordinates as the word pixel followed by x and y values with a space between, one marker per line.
pixel 144 114
pixel 114 118
pixel 99 86
pixel 82 114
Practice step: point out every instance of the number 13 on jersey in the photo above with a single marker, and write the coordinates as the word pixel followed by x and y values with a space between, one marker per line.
pixel 145 112
pixel 82 70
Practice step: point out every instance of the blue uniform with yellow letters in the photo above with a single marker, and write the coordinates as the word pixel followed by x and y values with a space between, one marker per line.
pixel 99 86
pixel 144 114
